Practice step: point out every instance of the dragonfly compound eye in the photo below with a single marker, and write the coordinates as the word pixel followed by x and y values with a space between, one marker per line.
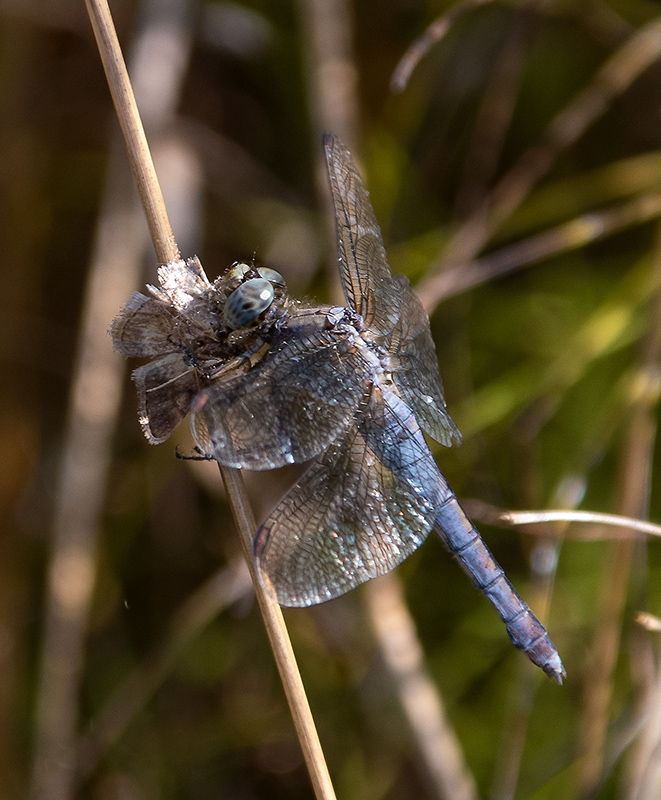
pixel 247 302
pixel 271 275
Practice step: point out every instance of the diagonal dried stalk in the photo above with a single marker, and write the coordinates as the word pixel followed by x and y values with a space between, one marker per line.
pixel 402 652
pixel 167 250
pixel 597 527
pixel 421 46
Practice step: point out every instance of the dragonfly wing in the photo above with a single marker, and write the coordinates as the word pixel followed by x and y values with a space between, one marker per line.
pixel 285 410
pixel 165 390
pixel 368 284
pixel 143 327
pixel 416 374
pixel 524 629
pixel 363 506
pixel 387 305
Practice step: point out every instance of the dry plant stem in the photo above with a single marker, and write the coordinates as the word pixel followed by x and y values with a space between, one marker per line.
pixel 421 46
pixel 167 250
pixel 280 642
pixel 132 129
pixel 649 622
pixel 398 640
pixel 634 482
pixel 625 527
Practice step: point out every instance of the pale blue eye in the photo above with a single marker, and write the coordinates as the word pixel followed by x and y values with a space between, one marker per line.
pixel 247 302
pixel 271 275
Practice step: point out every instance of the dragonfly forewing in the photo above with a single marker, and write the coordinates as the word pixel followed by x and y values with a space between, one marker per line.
pixel 368 284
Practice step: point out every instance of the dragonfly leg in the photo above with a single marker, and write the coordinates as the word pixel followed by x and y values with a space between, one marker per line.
pixel 524 629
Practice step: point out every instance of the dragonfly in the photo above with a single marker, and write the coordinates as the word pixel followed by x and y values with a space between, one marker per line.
pixel 269 380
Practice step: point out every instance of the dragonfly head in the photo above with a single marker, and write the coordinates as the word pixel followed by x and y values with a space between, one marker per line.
pixel 250 291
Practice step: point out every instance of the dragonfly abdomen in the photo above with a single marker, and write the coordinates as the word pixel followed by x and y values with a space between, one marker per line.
pixel 524 629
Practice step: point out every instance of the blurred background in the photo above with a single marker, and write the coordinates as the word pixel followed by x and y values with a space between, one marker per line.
pixel 512 151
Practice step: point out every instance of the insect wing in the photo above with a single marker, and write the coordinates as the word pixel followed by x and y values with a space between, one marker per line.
pixel 286 409
pixel 142 327
pixel 417 376
pixel 165 390
pixel 368 284
pixel 362 507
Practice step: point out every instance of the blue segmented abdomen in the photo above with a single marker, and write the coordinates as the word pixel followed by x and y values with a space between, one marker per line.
pixel 524 629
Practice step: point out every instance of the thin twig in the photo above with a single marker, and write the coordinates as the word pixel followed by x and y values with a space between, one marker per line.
pixel 167 250
pixel 650 623
pixel 591 517
pixel 133 131
pixel 421 46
